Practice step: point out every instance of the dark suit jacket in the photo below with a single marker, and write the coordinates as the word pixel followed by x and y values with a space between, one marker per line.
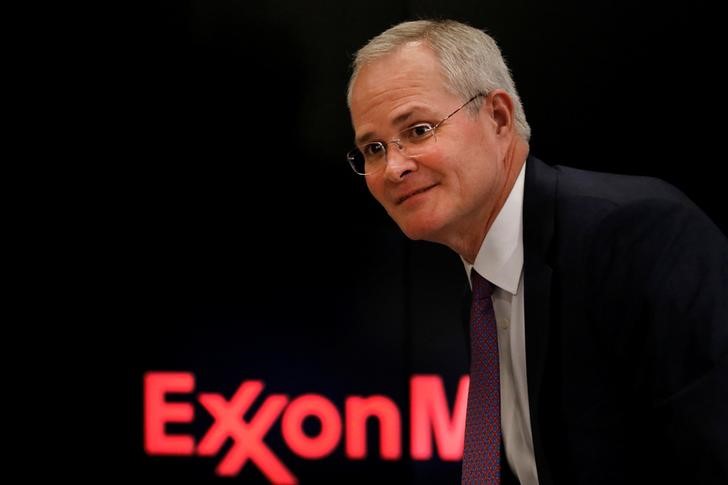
pixel 626 306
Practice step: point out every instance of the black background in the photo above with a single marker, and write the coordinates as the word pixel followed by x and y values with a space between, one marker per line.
pixel 245 248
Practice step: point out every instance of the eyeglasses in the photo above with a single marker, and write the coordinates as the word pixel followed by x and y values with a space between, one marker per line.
pixel 412 141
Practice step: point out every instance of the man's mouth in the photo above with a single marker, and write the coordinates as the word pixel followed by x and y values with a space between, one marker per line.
pixel 413 193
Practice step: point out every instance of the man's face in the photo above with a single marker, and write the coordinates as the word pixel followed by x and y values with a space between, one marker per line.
pixel 450 190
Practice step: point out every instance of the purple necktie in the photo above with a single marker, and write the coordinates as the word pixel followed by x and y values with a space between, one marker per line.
pixel 481 456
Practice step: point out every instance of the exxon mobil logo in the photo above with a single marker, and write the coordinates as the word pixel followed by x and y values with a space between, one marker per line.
pixel 430 421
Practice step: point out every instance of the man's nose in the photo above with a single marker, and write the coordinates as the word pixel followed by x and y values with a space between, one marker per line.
pixel 398 163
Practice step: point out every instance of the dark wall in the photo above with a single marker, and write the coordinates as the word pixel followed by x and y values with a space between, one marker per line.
pixel 248 249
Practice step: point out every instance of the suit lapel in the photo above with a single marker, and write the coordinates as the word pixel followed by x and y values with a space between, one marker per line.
pixel 538 228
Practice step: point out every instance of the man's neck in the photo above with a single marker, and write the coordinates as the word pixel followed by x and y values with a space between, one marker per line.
pixel 471 243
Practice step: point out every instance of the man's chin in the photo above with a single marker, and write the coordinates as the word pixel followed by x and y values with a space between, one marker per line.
pixel 418 230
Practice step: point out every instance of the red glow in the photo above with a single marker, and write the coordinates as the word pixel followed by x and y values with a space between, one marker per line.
pixel 429 410
pixel 158 412
pixel 291 424
pixel 248 437
pixel 358 409
pixel 429 414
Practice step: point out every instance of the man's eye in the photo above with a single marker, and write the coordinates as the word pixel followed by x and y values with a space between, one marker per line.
pixel 418 132
pixel 373 150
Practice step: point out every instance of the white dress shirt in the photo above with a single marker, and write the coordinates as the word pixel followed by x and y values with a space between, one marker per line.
pixel 500 261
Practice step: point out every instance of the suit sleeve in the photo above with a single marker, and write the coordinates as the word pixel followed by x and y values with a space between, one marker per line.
pixel 674 277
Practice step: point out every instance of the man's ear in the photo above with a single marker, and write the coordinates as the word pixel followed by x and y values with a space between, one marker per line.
pixel 501 110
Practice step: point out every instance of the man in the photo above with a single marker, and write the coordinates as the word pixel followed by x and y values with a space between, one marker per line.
pixel 609 360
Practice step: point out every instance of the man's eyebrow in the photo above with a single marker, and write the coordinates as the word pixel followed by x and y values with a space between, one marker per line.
pixel 402 118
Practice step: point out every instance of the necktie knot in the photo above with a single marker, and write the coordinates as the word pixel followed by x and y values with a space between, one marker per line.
pixel 482 288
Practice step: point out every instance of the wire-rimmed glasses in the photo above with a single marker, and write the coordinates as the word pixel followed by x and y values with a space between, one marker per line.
pixel 413 141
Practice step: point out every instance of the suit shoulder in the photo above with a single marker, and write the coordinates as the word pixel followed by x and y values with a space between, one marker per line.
pixel 587 199
pixel 570 208
pixel 615 189
pixel 647 215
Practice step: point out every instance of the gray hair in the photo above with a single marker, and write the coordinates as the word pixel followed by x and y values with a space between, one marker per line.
pixel 470 59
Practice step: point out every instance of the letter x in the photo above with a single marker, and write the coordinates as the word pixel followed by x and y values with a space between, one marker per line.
pixel 248 437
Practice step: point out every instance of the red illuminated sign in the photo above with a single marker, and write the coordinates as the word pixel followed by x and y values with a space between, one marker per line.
pixel 430 420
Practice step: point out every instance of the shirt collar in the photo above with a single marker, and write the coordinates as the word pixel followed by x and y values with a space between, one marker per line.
pixel 500 258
